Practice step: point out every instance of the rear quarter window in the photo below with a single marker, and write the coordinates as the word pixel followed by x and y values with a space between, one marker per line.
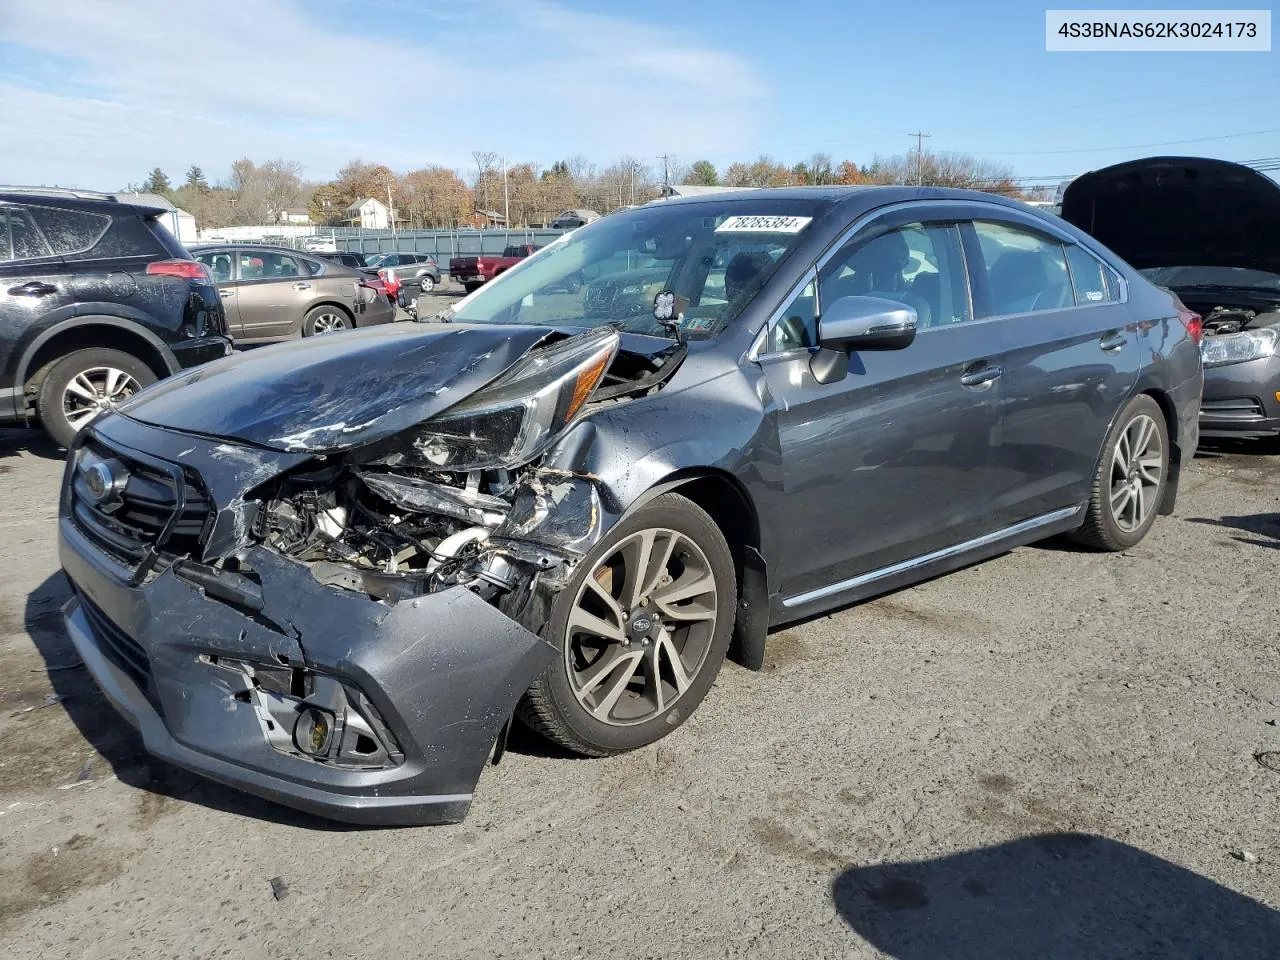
pixel 70 231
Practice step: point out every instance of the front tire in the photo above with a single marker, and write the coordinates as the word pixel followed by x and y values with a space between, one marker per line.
pixel 1129 486
pixel 85 383
pixel 643 627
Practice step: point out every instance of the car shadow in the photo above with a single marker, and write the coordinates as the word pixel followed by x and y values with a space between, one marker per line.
pixel 1061 896
pixel 117 742
pixel 1264 526
pixel 29 440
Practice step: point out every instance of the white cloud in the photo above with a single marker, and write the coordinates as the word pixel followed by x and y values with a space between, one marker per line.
pixel 216 81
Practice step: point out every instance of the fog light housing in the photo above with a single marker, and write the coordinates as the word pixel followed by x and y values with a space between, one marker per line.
pixel 313 732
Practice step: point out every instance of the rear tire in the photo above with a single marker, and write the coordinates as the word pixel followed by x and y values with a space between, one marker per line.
pixel 326 319
pixel 665 638
pixel 85 383
pixel 1133 473
pixel 426 283
pixel 472 287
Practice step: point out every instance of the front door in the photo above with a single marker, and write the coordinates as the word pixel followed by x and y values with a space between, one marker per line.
pixel 222 264
pixel 893 461
pixel 1070 353
pixel 273 293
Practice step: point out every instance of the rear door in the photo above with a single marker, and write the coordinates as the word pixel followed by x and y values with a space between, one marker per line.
pixel 1069 352
pixel 273 293
pixel 34 284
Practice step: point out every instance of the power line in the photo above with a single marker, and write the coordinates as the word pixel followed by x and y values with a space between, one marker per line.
pixel 1134 146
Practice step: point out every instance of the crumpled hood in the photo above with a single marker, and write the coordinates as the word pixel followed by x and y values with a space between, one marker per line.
pixel 337 391
pixel 1180 211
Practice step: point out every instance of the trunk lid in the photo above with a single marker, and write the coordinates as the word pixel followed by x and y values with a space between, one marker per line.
pixel 1180 211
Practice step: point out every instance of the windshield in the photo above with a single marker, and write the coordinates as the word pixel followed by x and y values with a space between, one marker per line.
pixel 375 261
pixel 1239 277
pixel 708 259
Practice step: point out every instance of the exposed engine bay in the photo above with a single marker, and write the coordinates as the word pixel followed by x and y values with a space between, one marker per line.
pixel 1224 320
pixel 397 520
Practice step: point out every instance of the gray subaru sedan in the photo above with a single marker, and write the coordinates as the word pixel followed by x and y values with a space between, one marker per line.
pixel 334 572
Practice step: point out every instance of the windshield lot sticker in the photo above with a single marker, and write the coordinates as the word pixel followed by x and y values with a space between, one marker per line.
pixel 698 324
pixel 763 225
pixel 664 305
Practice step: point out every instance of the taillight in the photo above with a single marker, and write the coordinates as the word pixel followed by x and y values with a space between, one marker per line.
pixel 1189 319
pixel 190 269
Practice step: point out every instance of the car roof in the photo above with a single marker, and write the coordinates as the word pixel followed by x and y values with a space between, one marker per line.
pixel 861 194
pixel 82 199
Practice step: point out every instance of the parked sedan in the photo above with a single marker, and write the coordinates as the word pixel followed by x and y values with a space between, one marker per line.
pixel 275 293
pixel 543 506
pixel 1208 230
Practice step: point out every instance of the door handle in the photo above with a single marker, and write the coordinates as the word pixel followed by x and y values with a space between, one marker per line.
pixel 1112 342
pixel 33 288
pixel 226 293
pixel 981 377
pixel 302 286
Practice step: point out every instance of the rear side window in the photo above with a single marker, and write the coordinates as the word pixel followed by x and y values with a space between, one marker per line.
pixel 265 265
pixel 219 265
pixel 1089 277
pixel 70 231
pixel 1024 271
pixel 19 237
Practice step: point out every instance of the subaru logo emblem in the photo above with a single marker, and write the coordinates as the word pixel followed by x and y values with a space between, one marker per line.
pixel 103 482
pixel 641 624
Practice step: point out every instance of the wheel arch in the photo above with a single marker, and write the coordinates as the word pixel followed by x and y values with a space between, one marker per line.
pixel 80 333
pixel 1170 497
pixel 730 506
pixel 331 303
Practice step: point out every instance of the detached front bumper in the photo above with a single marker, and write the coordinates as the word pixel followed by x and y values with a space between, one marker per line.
pixel 1240 399
pixel 192 353
pixel 442 672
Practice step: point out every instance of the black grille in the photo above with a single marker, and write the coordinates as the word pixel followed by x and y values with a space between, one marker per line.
pixel 156 504
pixel 1236 408
pixel 118 647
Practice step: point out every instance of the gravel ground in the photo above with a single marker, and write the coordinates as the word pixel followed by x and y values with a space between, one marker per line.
pixel 1049 755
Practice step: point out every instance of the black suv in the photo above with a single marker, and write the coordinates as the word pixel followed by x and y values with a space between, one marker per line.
pixel 355 261
pixel 97 300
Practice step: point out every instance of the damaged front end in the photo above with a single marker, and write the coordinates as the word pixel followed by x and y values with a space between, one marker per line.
pixel 346 631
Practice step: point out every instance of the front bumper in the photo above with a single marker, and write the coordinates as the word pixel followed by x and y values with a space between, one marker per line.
pixel 1240 399
pixel 443 673
pixel 192 353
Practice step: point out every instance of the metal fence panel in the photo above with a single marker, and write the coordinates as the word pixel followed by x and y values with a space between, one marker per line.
pixel 441 244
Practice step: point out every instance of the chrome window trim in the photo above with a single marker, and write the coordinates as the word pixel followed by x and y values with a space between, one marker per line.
pixel 987 539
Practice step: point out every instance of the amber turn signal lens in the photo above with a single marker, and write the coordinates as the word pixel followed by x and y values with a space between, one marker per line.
pixel 585 383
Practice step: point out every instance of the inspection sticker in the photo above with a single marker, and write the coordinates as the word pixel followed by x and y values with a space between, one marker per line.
pixel 763 225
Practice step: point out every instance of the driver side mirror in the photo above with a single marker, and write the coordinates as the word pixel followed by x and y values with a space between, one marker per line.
pixel 859 323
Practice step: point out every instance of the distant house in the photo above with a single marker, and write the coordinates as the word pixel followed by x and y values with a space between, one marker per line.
pixel 487 218
pixel 368 213
pixel 177 221
pixel 294 215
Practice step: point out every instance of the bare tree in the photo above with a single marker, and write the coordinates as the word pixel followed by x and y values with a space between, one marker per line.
pixel 484 170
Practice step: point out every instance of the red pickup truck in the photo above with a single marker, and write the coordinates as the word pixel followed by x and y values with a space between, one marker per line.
pixel 471 272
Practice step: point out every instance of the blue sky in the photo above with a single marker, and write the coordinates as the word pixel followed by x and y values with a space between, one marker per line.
pixel 105 91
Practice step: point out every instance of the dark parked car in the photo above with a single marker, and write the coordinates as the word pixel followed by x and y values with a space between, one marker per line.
pixel 379 547
pixel 1209 231
pixel 276 293
pixel 97 300
pixel 355 261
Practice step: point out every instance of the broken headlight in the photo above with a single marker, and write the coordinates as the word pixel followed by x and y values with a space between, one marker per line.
pixel 516 417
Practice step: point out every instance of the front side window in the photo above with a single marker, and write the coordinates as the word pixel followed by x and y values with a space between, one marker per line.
pixel 711 257
pixel 920 265
pixel 219 264
pixel 1024 272
pixel 19 237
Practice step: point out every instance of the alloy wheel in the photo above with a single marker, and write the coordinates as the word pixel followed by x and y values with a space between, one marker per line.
pixel 1136 473
pixel 328 322
pixel 92 391
pixel 641 626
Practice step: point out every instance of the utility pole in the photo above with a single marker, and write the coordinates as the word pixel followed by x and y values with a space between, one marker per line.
pixel 506 198
pixel 391 212
pixel 920 137
pixel 635 165
pixel 666 173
